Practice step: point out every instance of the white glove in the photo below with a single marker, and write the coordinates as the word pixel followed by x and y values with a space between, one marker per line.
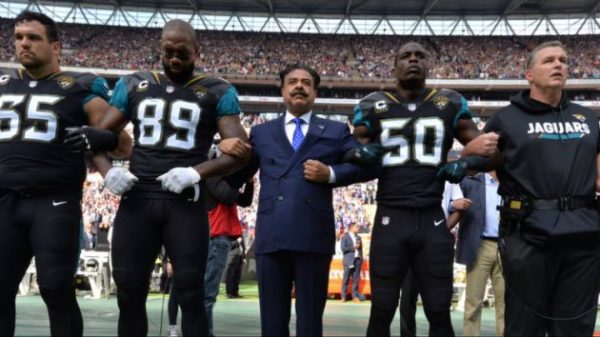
pixel 179 178
pixel 119 180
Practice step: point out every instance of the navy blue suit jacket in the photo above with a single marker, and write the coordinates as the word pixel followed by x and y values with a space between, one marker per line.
pixel 473 220
pixel 347 246
pixel 293 213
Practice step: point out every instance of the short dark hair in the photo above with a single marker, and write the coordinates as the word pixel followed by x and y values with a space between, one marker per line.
pixel 547 44
pixel 46 21
pixel 406 44
pixel 291 67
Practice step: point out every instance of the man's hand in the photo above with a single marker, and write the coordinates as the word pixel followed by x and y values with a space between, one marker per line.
pixel 461 204
pixel 365 154
pixel 179 178
pixel 85 138
pixel 316 171
pixel 235 147
pixel 454 172
pixel 483 145
pixel 169 269
pixel 119 180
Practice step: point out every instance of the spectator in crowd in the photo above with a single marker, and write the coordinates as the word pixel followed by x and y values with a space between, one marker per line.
pixel 89 237
pixel 246 53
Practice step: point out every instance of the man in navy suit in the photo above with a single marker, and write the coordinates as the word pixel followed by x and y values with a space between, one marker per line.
pixel 352 248
pixel 300 157
pixel 477 248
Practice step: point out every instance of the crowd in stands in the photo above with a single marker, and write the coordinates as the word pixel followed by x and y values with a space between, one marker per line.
pixel 343 56
pixel 98 205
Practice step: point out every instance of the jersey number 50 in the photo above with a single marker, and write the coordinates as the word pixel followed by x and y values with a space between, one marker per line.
pixel 402 150
pixel 45 121
pixel 183 115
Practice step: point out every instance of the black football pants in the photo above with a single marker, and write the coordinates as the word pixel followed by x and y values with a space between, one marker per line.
pixel 415 238
pixel 46 226
pixel 142 226
pixel 549 282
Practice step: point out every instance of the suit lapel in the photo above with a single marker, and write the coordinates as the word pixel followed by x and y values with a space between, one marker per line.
pixel 316 127
pixel 278 133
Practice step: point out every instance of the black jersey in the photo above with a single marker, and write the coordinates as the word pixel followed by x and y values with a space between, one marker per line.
pixel 417 136
pixel 34 115
pixel 174 125
pixel 548 152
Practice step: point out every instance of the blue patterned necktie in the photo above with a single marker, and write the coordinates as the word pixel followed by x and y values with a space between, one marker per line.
pixel 298 136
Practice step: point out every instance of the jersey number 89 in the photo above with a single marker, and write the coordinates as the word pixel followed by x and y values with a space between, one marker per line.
pixel 44 128
pixel 402 150
pixel 182 115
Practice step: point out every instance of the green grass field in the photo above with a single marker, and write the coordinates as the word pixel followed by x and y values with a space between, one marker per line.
pixel 233 317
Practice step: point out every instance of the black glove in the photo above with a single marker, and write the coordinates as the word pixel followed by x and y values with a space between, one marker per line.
pixel 365 154
pixel 86 138
pixel 454 172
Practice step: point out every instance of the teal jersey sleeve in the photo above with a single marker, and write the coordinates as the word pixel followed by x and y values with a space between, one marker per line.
pixel 99 88
pixel 359 118
pixel 463 112
pixel 119 97
pixel 228 104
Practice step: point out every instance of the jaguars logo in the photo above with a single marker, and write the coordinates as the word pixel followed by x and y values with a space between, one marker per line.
pixel 65 82
pixel 142 86
pixel 441 102
pixel 199 91
pixel 4 79
pixel 579 117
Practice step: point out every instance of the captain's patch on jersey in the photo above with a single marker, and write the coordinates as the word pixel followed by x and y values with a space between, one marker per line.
pixel 142 86
pixel 4 79
pixel 441 102
pixel 65 82
pixel 380 107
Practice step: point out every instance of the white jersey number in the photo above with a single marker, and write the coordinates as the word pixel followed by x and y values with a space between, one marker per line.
pixel 182 115
pixel 402 150
pixel 46 121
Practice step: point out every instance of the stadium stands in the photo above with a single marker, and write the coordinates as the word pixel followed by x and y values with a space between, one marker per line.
pixel 345 56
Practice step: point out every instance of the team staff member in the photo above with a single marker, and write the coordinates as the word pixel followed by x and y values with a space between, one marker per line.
pixel 40 178
pixel 175 117
pixel 417 126
pixel 550 234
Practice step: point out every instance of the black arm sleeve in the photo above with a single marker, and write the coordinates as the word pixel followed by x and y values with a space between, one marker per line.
pixel 220 190
pixel 244 199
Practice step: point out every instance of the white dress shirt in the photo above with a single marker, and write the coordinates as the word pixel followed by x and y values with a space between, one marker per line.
pixel 353 237
pixel 451 192
pixel 290 127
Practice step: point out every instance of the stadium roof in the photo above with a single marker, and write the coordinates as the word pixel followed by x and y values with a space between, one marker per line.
pixel 371 7
pixel 378 17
